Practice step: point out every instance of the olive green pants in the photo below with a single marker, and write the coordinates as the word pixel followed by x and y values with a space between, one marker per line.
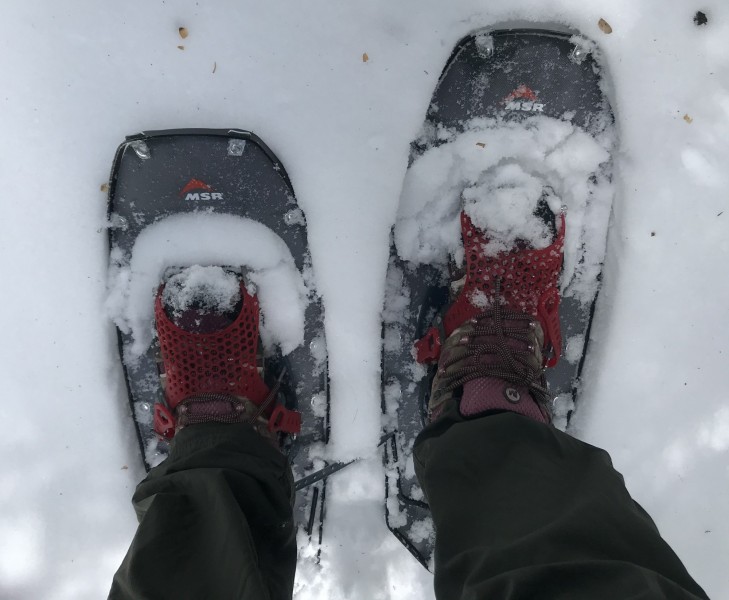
pixel 521 510
pixel 215 521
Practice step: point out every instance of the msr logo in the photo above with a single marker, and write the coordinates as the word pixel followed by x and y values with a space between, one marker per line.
pixel 524 99
pixel 191 191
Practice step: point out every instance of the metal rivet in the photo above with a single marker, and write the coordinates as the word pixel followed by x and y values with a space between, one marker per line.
pixel 236 147
pixel 485 45
pixel 512 395
pixel 141 149
pixel 294 217
pixel 578 55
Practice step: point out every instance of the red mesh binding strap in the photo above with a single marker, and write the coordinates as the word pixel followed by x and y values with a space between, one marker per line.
pixel 529 284
pixel 548 312
pixel 221 362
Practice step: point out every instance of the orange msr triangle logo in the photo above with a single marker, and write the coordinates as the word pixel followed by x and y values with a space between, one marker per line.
pixel 196 190
pixel 521 93
pixel 195 184
pixel 523 99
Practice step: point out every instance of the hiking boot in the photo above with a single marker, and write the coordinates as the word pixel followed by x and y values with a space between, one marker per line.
pixel 500 332
pixel 211 366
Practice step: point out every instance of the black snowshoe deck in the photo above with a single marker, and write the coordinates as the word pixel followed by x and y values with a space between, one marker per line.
pixel 157 174
pixel 501 74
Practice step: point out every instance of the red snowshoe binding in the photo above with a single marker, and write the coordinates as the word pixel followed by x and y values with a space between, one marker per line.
pixel 210 370
pixel 500 333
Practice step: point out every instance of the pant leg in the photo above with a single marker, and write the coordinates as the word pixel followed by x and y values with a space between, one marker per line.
pixel 215 521
pixel 522 510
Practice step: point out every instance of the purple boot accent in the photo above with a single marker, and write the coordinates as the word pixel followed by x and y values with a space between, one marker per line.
pixel 492 362
pixel 491 393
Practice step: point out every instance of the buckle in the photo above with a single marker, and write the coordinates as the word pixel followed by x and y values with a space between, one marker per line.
pixel 164 421
pixel 285 420
pixel 427 348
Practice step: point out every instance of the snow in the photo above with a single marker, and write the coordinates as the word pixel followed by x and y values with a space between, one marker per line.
pixel 498 172
pixel 207 289
pixel 211 239
pixel 80 76
pixel 574 348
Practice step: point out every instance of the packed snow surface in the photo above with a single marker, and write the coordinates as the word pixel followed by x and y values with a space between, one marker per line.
pixel 339 90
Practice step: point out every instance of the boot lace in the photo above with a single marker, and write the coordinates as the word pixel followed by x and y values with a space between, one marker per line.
pixel 500 343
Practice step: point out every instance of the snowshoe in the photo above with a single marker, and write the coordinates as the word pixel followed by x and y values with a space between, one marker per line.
pixel 217 206
pixel 516 151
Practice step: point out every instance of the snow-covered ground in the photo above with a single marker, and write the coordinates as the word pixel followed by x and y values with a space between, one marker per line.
pixel 77 76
